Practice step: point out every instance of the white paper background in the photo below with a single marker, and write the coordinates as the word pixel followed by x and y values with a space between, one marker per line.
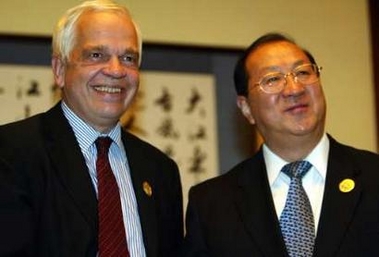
pixel 24 91
pixel 176 112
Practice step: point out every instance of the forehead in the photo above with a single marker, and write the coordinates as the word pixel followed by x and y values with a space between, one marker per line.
pixel 98 25
pixel 275 55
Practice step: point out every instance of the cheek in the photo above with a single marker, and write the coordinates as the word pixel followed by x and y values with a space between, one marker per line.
pixel 318 99
pixel 265 103
pixel 133 81
pixel 266 108
pixel 80 76
pixel 133 76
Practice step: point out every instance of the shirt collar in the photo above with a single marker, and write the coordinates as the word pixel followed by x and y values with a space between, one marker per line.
pixel 318 158
pixel 85 134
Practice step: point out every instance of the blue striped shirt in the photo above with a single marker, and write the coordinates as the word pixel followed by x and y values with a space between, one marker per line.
pixel 86 136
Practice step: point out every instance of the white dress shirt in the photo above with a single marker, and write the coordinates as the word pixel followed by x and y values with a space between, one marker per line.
pixel 313 181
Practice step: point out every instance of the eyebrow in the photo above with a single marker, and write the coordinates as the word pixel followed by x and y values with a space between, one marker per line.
pixel 279 68
pixel 103 48
pixel 87 50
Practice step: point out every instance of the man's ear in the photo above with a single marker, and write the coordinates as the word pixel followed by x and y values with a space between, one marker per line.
pixel 58 70
pixel 244 106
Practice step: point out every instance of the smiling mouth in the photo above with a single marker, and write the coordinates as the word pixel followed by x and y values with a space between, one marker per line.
pixel 110 90
pixel 296 107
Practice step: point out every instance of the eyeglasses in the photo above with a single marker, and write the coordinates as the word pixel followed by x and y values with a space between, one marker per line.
pixel 275 82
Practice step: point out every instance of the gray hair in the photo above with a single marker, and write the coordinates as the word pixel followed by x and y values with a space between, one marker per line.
pixel 64 34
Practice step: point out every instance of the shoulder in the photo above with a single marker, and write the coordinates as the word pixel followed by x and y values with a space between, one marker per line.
pixel 353 154
pixel 241 175
pixel 214 188
pixel 135 144
pixel 30 137
pixel 29 128
pixel 21 133
pixel 148 156
pixel 361 162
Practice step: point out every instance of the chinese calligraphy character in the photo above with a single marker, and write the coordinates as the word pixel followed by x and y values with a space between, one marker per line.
pixel 34 89
pixel 199 134
pixel 194 100
pixel 167 130
pixel 165 101
pixel 197 161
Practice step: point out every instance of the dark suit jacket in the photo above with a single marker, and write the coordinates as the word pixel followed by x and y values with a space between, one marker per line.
pixel 48 205
pixel 234 215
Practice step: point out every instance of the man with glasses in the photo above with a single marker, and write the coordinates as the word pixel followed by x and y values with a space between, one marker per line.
pixel 303 193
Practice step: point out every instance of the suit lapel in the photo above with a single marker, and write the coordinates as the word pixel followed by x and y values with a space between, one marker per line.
pixel 69 164
pixel 72 172
pixel 338 207
pixel 254 202
pixel 142 177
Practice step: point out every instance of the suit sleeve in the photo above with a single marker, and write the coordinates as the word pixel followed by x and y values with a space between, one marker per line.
pixel 175 224
pixel 194 243
pixel 16 230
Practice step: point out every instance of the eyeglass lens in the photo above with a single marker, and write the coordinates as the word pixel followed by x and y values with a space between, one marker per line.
pixel 275 82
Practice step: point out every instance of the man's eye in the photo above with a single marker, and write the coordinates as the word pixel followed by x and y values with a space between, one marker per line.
pixel 96 55
pixel 303 74
pixel 271 80
pixel 129 59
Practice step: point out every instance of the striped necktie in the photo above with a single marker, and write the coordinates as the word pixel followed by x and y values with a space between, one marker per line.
pixel 112 239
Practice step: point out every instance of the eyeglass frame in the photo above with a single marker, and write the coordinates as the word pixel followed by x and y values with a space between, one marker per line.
pixel 316 68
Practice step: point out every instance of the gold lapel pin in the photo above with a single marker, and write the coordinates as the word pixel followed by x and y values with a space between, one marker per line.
pixel 147 188
pixel 347 185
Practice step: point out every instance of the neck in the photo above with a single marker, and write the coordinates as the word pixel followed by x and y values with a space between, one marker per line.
pixel 294 148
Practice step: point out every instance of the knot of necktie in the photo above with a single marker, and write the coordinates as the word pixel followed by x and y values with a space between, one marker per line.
pixel 103 144
pixel 296 169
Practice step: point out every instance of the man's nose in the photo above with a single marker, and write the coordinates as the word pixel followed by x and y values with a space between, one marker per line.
pixel 115 68
pixel 292 86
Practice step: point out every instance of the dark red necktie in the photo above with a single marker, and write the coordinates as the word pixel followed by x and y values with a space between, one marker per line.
pixel 112 240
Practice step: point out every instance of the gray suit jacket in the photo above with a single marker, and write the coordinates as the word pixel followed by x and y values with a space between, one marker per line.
pixel 234 215
pixel 48 206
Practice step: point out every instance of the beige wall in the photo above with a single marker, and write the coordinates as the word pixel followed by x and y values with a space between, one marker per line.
pixel 336 32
